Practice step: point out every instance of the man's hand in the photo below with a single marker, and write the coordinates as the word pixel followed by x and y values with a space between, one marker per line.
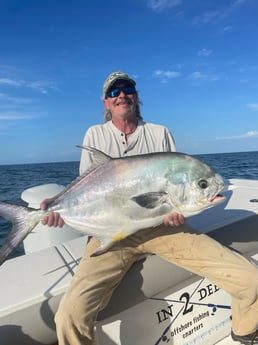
pixel 53 218
pixel 174 219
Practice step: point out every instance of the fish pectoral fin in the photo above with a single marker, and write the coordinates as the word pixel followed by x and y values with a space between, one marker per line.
pixel 151 199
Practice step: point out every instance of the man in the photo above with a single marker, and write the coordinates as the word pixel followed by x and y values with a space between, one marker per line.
pixel 125 133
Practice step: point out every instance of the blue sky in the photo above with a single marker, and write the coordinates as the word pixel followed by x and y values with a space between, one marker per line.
pixel 195 63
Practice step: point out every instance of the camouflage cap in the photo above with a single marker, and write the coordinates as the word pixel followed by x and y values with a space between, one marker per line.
pixel 113 77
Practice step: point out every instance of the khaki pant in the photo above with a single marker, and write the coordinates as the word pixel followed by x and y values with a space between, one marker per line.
pixel 97 277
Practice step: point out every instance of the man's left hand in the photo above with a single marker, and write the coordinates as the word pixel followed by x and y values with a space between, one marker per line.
pixel 174 219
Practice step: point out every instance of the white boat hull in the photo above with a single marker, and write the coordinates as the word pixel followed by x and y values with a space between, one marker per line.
pixel 157 303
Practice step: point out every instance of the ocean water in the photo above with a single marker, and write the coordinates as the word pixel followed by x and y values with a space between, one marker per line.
pixel 14 179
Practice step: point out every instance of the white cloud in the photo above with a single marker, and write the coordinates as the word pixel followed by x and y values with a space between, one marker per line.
pixel 41 86
pixel 225 29
pixel 249 134
pixel 10 82
pixel 243 80
pixel 164 76
pixel 209 17
pixel 253 106
pixel 239 2
pixel 10 100
pixel 159 5
pixel 205 52
pixel 14 116
pixel 203 77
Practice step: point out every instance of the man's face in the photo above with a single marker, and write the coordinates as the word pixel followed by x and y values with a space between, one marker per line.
pixel 121 100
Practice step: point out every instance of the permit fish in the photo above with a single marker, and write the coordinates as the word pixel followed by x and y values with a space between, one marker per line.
pixel 116 197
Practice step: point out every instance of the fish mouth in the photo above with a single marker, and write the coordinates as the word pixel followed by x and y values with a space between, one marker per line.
pixel 217 199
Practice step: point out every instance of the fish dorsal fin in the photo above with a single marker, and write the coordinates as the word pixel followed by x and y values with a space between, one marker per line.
pixel 150 200
pixel 98 157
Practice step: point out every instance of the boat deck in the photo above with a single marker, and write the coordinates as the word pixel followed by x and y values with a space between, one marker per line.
pixel 227 341
pixel 33 285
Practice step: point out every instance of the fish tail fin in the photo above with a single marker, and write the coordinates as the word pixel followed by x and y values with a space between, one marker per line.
pixel 22 224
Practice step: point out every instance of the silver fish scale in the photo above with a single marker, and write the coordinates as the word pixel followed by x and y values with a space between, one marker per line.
pixel 106 199
pixel 117 197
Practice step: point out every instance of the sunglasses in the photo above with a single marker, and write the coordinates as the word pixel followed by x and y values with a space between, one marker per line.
pixel 127 90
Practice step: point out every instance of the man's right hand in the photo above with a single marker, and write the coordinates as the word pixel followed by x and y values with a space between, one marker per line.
pixel 53 218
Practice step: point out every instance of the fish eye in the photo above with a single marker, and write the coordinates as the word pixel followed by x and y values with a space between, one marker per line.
pixel 203 184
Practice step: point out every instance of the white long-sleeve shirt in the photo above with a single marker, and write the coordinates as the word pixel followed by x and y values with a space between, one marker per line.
pixel 147 138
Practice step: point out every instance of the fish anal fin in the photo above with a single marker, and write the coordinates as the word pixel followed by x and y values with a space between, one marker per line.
pixel 119 237
pixel 106 243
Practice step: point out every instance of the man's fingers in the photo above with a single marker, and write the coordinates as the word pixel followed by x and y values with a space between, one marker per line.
pixel 53 219
pixel 174 219
pixel 44 203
